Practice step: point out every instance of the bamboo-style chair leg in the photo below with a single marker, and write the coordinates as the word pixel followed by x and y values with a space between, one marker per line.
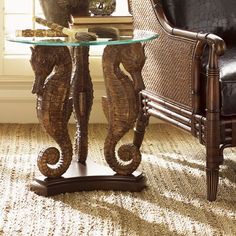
pixel 212 177
pixel 212 183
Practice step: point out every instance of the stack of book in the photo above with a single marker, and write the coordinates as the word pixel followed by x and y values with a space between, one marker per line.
pixel 122 23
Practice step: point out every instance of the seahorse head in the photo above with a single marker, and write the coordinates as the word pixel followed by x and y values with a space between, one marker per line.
pixel 42 61
pixel 133 59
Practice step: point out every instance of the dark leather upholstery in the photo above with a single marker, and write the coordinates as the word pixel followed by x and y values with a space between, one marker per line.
pixel 215 16
pixel 212 16
pixel 227 66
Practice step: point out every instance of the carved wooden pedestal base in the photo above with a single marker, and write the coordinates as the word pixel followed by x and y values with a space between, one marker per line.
pixel 57 97
pixel 87 178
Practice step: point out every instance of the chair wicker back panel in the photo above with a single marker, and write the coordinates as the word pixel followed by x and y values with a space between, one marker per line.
pixel 159 73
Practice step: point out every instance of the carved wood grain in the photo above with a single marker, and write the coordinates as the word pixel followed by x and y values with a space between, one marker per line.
pixel 121 103
pixel 52 67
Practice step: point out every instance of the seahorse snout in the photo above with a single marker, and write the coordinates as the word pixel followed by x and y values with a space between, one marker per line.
pixel 138 81
pixel 38 85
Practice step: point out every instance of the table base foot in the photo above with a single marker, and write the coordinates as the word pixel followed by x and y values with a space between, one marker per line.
pixel 88 177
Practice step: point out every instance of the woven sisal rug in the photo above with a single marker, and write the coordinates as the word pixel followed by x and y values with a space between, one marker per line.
pixel 174 202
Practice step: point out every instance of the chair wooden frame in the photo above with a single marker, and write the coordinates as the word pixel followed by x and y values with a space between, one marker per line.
pixel 201 117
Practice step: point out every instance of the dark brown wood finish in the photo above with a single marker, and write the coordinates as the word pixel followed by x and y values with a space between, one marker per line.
pixel 82 99
pixel 121 103
pixel 213 130
pixel 88 177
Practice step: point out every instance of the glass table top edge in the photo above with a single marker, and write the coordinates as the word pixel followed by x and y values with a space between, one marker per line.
pixel 139 36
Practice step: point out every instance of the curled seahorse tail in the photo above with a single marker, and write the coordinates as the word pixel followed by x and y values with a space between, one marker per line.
pixel 52 156
pixel 128 159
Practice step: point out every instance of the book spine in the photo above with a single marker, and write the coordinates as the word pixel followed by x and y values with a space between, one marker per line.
pixel 109 32
pixel 114 25
pixel 102 20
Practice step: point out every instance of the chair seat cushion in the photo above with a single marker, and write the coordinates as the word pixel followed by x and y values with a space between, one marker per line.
pixel 227 65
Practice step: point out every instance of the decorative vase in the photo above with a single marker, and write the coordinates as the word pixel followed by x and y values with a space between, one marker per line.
pixel 102 7
pixel 60 11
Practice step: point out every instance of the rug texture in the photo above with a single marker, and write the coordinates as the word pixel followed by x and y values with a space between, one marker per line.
pixel 174 203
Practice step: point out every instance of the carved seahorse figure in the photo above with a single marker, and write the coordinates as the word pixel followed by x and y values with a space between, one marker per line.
pixel 52 67
pixel 121 104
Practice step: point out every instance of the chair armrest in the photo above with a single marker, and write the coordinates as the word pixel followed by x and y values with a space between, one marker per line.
pixel 191 45
pixel 209 38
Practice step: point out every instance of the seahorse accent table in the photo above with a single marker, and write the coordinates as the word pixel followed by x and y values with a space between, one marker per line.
pixel 121 104
pixel 63 84
pixel 52 67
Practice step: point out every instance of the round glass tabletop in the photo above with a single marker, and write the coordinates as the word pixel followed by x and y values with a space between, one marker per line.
pixel 137 37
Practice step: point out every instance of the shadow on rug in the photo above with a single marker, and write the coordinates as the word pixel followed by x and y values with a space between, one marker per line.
pixel 174 203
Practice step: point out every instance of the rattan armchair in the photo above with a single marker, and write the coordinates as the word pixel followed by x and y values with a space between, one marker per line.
pixel 190 76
